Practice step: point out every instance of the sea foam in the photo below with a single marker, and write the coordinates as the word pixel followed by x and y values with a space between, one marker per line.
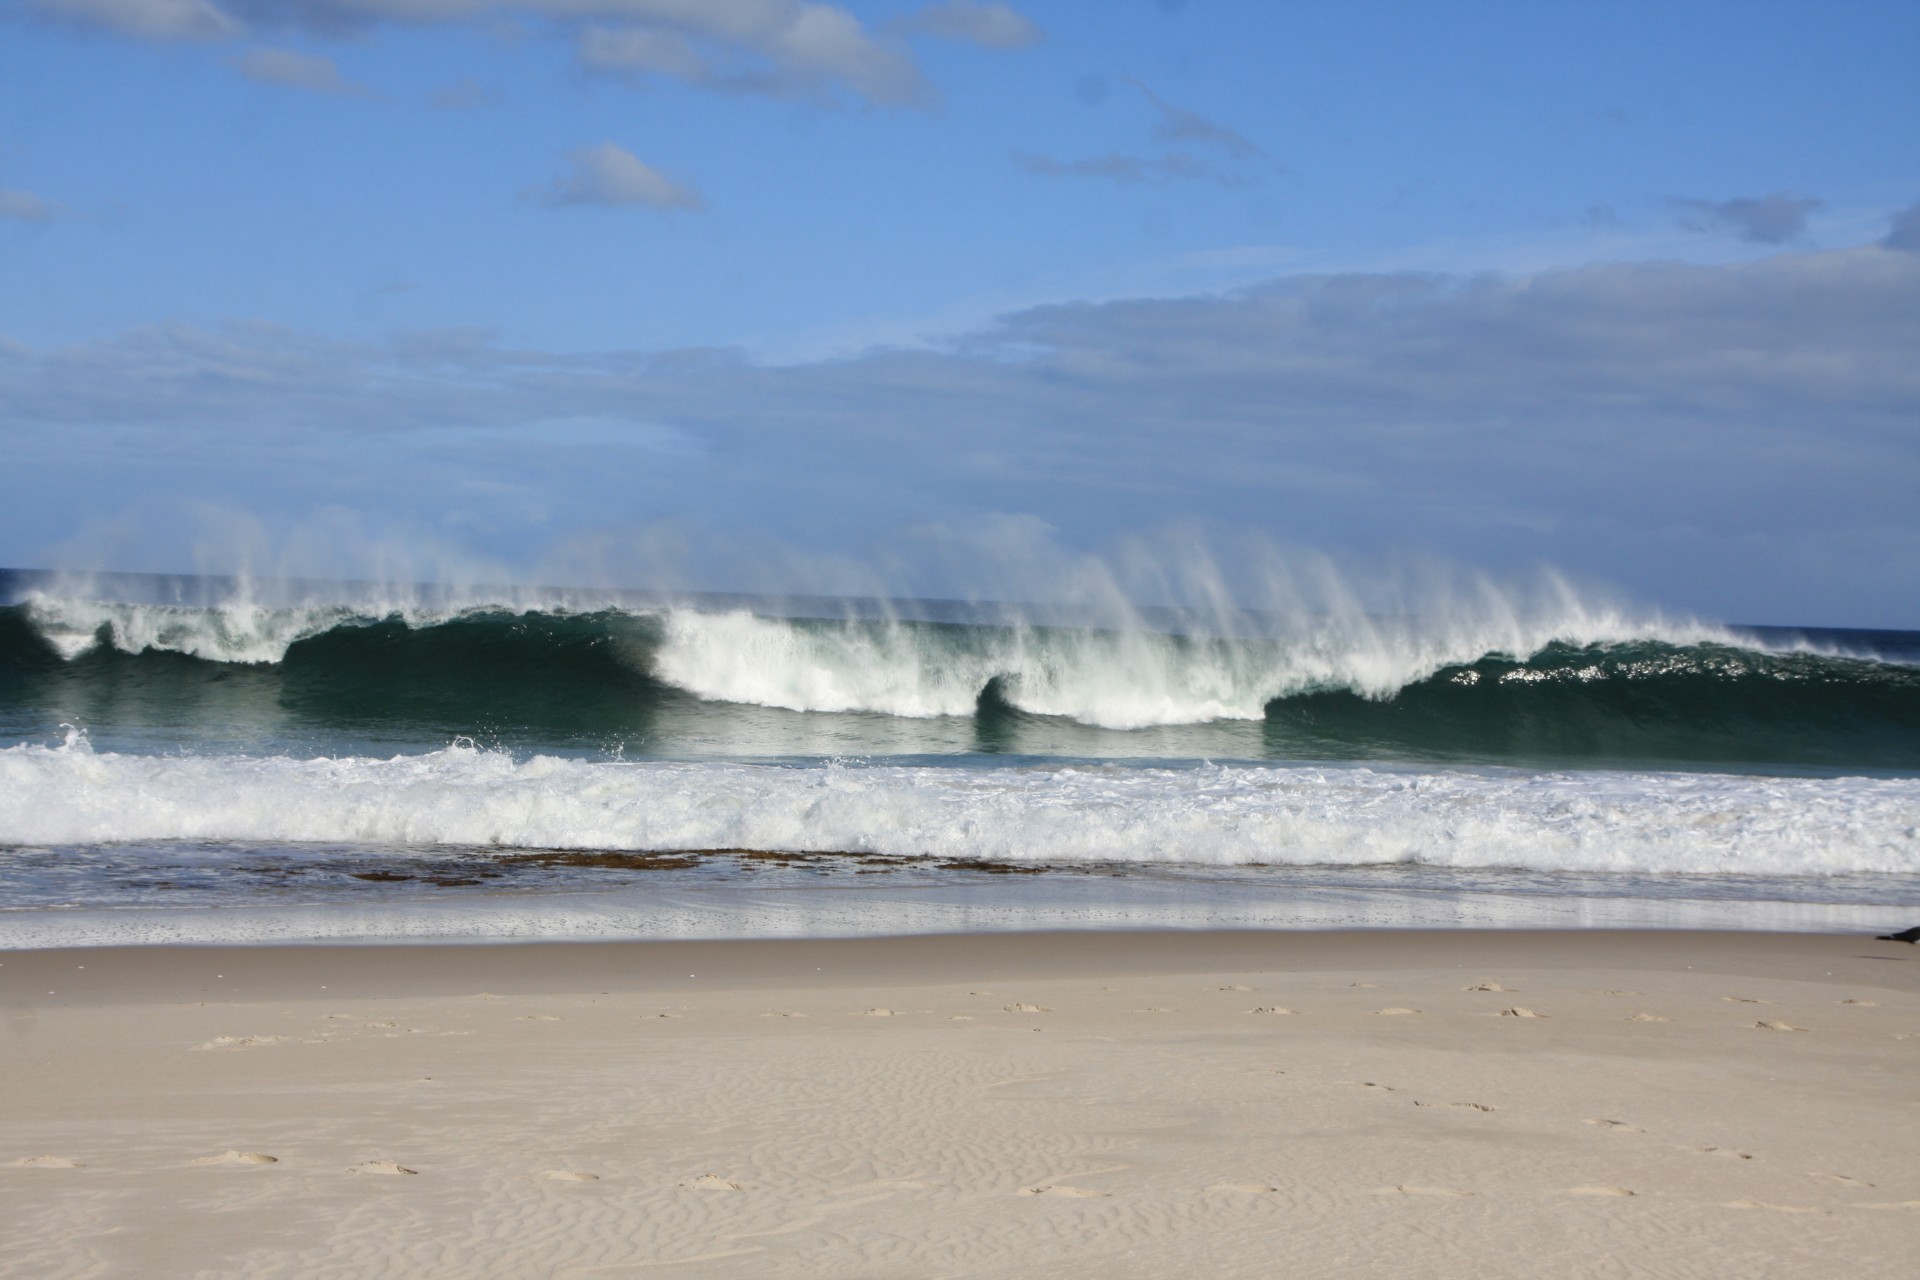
pixel 1059 814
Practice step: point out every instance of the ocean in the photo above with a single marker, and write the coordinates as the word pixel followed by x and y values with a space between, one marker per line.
pixel 203 759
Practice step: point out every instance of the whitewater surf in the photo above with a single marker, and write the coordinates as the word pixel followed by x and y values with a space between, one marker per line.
pixel 149 736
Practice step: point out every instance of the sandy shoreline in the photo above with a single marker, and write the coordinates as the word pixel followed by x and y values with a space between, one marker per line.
pixel 1120 1104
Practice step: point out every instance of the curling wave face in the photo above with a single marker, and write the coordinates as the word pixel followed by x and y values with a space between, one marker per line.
pixel 1202 815
pixel 1495 685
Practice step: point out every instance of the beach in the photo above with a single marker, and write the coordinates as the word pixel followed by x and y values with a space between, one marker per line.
pixel 1405 1103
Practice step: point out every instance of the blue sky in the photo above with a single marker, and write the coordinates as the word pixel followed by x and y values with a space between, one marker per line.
pixel 1627 289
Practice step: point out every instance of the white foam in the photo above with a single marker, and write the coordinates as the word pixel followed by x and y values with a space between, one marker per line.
pixel 1115 678
pixel 1130 674
pixel 1202 815
pixel 237 632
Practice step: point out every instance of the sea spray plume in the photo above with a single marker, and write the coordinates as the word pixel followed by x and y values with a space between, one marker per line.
pixel 254 591
pixel 1157 630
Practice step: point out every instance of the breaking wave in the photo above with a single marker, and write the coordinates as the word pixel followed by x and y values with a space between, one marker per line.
pixel 1501 685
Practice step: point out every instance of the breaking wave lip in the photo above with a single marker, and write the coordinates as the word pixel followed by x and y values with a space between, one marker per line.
pixel 1110 677
pixel 1204 815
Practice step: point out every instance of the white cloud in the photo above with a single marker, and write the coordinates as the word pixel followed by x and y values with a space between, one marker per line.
pixel 611 175
pixel 775 47
pixel 296 71
pixel 24 206
pixel 995 25
pixel 783 47
pixel 163 20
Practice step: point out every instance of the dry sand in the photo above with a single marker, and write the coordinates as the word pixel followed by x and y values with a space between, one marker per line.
pixel 1112 1105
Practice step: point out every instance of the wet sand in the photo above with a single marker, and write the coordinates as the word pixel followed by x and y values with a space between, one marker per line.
pixel 1112 1104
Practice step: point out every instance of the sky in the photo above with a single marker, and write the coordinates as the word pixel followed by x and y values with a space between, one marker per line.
pixel 734 289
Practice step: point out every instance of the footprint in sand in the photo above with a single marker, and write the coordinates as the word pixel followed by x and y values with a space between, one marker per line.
pixel 1487 986
pixel 1617 1126
pixel 1777 1208
pixel 1741 1000
pixel 1840 1180
pixel 1408 1190
pixel 238 1157
pixel 1236 986
pixel 1243 1188
pixel 1061 1189
pixel 1025 1008
pixel 1597 1191
pixel 873 1013
pixel 1647 1017
pixel 241 1042
pixel 1393 1013
pixel 1776 1026
pixel 1728 1152
pixel 388 1168
pixel 564 1175
pixel 1518 1012
pixel 713 1182
pixel 47 1162
pixel 1153 1009
pixel 1272 1008
pixel 1865 1004
pixel 782 1013
pixel 1611 992
pixel 531 1017
pixel 1367 986
pixel 962 1017
pixel 1473 1106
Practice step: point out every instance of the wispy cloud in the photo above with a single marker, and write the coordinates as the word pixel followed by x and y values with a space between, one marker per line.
pixel 311 72
pixel 25 206
pixel 996 25
pixel 774 47
pixel 609 174
pixel 1905 232
pixel 1180 126
pixel 787 48
pixel 1769 219
pixel 1186 135
pixel 157 20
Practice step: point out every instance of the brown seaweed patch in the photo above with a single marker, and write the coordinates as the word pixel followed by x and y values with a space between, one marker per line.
pixel 610 859
pixel 991 868
pixel 780 857
pixel 443 875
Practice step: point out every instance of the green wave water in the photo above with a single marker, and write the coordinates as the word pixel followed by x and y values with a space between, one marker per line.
pixel 686 683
